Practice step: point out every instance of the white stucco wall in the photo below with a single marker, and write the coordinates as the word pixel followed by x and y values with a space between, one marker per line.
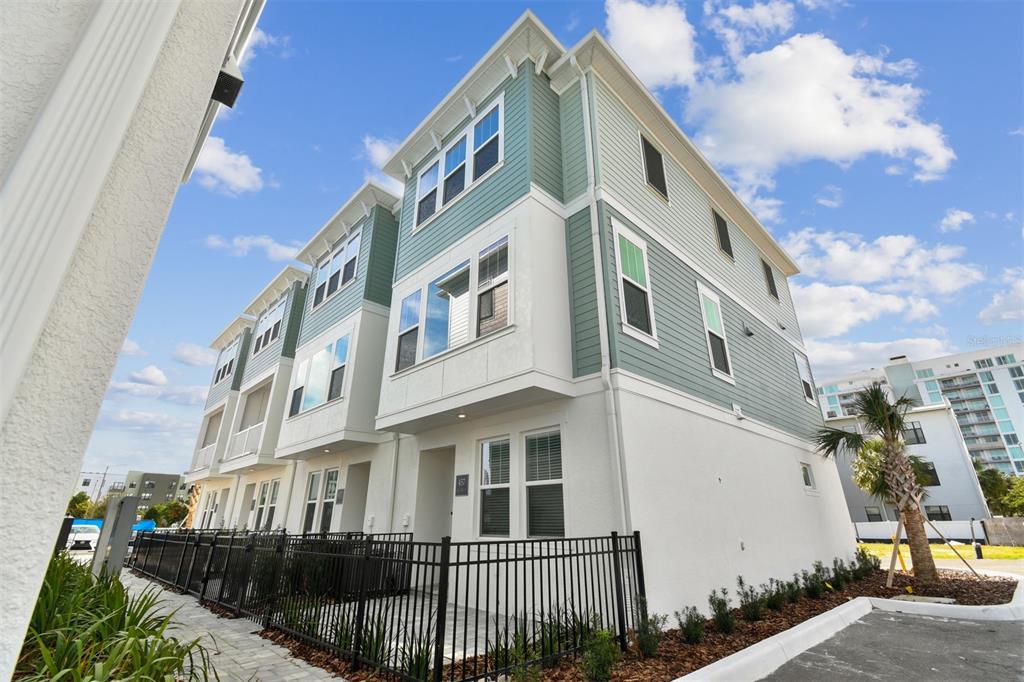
pixel 54 407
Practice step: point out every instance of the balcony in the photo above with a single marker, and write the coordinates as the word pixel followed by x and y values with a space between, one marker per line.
pixel 205 457
pixel 244 451
pixel 959 382
pixel 246 441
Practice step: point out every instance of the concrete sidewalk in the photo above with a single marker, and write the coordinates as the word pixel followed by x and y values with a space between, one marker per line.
pixel 237 653
pixel 1015 566
pixel 903 648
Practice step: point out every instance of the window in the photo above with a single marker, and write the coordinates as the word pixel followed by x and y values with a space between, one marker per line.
pixel 330 493
pixel 149 485
pixel 146 496
pixel 714 327
pixel 984 362
pixel 873 513
pixel 334 389
pixel 1005 359
pixel 212 428
pixel 928 475
pixel 492 288
pixel 447 318
pixel 225 362
pixel 807 383
pixel 634 287
pixel 937 513
pixel 321 378
pixel 1017 372
pixel 913 434
pixel 487 142
pixel 296 403
pixel 312 492
pixel 769 279
pixel 454 170
pixel 807 474
pixel 86 482
pixel 132 484
pixel 337 268
pixel 408 331
pixel 722 230
pixel 1011 438
pixel 269 326
pixel 494 487
pixel 255 407
pixel 654 167
pixel 545 514
pixel 923 374
pixel 426 193
pixel 275 487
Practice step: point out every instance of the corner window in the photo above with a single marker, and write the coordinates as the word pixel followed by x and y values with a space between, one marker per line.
pixel 873 513
pixel 454 170
pixel 321 378
pixel 225 362
pixel 447 319
pixel 654 167
pixel 938 513
pixel 408 331
pixel 769 279
pixel 807 474
pixel 492 288
pixel 487 142
pixel 268 329
pixel 545 512
pixel 913 434
pixel 714 331
pixel 929 475
pixel 494 487
pixel 634 287
pixel 722 230
pixel 426 193
pixel 803 368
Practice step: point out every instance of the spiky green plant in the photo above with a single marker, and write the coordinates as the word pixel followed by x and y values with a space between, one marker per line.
pixel 691 625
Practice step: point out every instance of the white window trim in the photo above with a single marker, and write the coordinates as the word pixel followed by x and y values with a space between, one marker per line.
pixel 296 383
pixel 467 130
pixel 234 356
pixel 491 486
pixel 418 326
pixel 806 364
pixel 341 248
pixel 641 135
pixel 718 240
pixel 323 499
pixel 766 270
pixel 524 513
pixel 317 496
pixel 629 330
pixel 271 309
pixel 443 176
pixel 810 474
pixel 704 291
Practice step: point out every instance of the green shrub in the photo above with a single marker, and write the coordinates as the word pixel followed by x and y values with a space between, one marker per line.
pixel 649 629
pixel 814 584
pixel 721 614
pixel 865 563
pixel 87 628
pixel 599 654
pixel 512 647
pixel 343 630
pixel 793 590
pixel 751 605
pixel 840 574
pixel 417 651
pixel 691 625
pixel 377 641
pixel 774 594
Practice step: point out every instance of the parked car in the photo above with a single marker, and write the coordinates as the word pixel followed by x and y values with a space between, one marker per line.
pixel 83 537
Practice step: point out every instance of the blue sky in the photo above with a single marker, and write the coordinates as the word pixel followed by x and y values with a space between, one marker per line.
pixel 881 143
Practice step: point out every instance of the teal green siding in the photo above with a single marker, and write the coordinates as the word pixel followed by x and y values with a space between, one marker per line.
pixel 767 382
pixel 380 265
pixel 545 136
pixel 573 144
pixel 217 393
pixel 294 317
pixel 284 344
pixel 482 201
pixel 584 326
pixel 685 220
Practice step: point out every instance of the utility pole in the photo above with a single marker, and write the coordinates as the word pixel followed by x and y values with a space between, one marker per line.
pixel 103 481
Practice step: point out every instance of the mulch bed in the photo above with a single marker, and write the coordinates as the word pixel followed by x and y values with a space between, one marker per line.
pixel 676 658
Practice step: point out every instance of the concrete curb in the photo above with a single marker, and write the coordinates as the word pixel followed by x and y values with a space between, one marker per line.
pixel 762 659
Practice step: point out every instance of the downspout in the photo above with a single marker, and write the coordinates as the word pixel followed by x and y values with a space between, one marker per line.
pixel 394 484
pixel 611 402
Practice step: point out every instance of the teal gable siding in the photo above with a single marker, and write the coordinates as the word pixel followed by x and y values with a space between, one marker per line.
pixel 584 325
pixel 294 317
pixel 218 392
pixel 380 265
pixel 573 144
pixel 482 201
pixel 767 382
pixel 284 345
pixel 545 136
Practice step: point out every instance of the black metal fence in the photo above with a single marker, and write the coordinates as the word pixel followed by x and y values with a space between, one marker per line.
pixel 413 610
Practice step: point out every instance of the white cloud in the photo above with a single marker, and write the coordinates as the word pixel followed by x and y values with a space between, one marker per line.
pixel 738 26
pixel 241 245
pixel 194 355
pixel 896 263
pixel 573 23
pixel 831 359
pixel 151 422
pixel 827 311
pixel 1018 131
pixel 808 99
pixel 377 150
pixel 260 41
pixel 180 395
pixel 151 375
pixel 1007 305
pixel 654 39
pixel 955 219
pixel 222 170
pixel 894 169
pixel 132 349
pixel 830 196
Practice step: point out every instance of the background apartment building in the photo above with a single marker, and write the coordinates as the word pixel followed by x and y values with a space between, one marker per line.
pixel 567 325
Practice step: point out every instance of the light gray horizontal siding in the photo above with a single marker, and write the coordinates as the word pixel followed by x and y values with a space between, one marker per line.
pixel 574 151
pixel 586 342
pixel 686 220
pixel 278 348
pixel 486 199
pixel 767 381
pixel 545 136
pixel 217 393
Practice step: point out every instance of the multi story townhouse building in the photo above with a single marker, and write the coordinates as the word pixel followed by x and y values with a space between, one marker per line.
pixel 984 388
pixel 568 325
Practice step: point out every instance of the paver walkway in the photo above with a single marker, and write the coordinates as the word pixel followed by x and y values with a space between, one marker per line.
pixel 903 648
pixel 237 653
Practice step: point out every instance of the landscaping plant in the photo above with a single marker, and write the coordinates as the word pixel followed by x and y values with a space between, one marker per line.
pixel 721 614
pixel 813 585
pixel 793 589
pixel 600 652
pixel 774 594
pixel 691 625
pixel 649 629
pixel 88 628
pixel 751 606
pixel 417 650
pixel 865 563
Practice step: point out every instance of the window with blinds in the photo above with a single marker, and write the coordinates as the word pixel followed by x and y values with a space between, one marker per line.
pixel 722 230
pixel 494 487
pixel 545 511
pixel 654 167
pixel 635 288
pixel 714 331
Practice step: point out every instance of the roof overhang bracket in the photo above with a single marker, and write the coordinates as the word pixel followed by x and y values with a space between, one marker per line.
pixel 366 208
pixel 436 139
pixel 513 70
pixel 406 168
pixel 539 66
pixel 470 106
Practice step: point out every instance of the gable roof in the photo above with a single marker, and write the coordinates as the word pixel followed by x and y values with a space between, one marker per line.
pixel 234 328
pixel 273 291
pixel 345 218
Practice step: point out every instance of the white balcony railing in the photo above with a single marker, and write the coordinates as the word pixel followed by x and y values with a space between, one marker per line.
pixel 245 442
pixel 205 457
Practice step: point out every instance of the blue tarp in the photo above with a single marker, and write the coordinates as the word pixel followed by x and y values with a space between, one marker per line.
pixel 145 524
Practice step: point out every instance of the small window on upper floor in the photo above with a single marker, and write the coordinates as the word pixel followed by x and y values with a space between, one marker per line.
pixel 913 434
pixel 769 279
pixel 1005 359
pixel 873 513
pixel 86 482
pixel 984 362
pixel 714 332
pixel 225 362
pixel 454 170
pixel 803 368
pixel 426 193
pixel 635 290
pixel 268 329
pixel 336 269
pixel 929 477
pixel 807 474
pixel 487 142
pixel 492 288
pixel 924 373
pixel 937 513
pixel 722 230
pixel 408 331
pixel 654 167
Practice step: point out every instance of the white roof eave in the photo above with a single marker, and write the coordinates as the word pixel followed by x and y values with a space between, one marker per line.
pixel 345 218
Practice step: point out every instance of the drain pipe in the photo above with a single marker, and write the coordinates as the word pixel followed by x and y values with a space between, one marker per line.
pixel 394 483
pixel 611 402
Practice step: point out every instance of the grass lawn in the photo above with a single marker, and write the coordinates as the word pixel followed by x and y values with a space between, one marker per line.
pixel 884 550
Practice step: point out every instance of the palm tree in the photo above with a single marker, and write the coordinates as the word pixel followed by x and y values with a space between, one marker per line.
pixel 884 420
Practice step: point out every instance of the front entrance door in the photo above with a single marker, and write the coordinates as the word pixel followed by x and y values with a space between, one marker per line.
pixel 434 488
pixel 353 503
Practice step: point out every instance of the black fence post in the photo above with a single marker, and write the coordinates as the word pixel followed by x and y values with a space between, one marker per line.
pixel 641 583
pixel 620 604
pixel 160 560
pixel 224 571
pixel 181 559
pixel 357 639
pixel 275 576
pixel 206 568
pixel 192 561
pixel 442 607
pixel 139 538
pixel 243 584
